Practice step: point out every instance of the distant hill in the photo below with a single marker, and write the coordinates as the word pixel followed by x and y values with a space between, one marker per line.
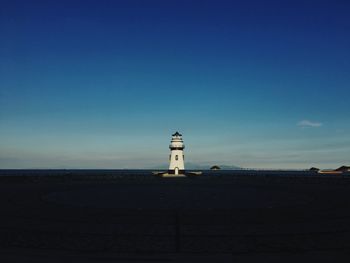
pixel 196 166
pixel 343 169
pixel 230 167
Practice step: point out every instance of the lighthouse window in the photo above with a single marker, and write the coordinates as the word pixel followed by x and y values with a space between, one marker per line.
pixel 183 157
pixel 176 157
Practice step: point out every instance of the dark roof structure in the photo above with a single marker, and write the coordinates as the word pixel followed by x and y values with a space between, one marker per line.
pixel 177 134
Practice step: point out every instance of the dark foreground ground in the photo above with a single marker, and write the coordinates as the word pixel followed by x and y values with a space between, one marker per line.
pixel 237 218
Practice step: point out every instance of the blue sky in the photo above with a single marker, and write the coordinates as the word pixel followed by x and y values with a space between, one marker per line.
pixel 103 84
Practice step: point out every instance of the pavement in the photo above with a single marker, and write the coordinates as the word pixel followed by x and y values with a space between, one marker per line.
pixel 178 221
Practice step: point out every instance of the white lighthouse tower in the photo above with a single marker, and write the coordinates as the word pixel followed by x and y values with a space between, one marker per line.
pixel 177 157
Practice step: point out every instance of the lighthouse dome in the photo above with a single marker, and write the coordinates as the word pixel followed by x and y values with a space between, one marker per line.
pixel 177 134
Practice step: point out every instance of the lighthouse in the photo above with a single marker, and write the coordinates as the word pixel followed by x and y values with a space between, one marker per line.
pixel 177 157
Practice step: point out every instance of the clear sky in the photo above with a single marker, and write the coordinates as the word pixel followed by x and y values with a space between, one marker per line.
pixel 104 84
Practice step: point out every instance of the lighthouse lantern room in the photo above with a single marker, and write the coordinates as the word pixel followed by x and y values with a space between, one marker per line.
pixel 177 158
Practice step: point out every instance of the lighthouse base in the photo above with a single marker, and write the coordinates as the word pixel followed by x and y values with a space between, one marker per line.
pixel 174 172
pixel 170 175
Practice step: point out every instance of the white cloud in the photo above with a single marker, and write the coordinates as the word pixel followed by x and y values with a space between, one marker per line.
pixel 307 123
